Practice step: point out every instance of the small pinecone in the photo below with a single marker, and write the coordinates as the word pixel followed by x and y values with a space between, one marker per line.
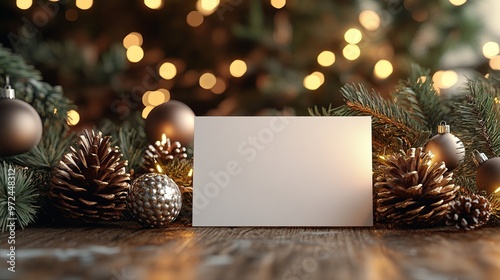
pixel 90 183
pixel 468 212
pixel 413 189
pixel 162 152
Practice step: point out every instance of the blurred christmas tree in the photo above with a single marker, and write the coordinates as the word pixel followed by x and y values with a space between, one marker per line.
pixel 235 57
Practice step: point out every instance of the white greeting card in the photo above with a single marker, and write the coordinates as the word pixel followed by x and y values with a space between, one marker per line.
pixel 282 171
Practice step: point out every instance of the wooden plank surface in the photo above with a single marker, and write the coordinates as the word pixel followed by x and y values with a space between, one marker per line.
pixel 127 252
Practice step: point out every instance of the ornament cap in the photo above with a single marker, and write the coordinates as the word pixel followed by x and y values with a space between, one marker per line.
pixel 443 128
pixel 8 92
pixel 479 158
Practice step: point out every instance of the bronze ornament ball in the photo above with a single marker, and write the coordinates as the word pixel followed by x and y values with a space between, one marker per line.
pixel 21 127
pixel 446 147
pixel 174 119
pixel 488 173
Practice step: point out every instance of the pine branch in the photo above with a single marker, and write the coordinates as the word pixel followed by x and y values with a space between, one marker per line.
pixel 478 118
pixel 24 194
pixel 393 126
pixel 419 98
pixel 132 144
pixel 15 66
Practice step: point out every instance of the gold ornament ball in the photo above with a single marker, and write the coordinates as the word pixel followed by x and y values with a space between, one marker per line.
pixel 174 119
pixel 488 173
pixel 446 147
pixel 21 127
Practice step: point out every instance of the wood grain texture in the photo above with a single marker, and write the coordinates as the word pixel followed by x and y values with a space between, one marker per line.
pixel 127 252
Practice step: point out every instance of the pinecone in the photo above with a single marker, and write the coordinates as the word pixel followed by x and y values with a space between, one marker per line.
pixel 468 212
pixel 162 152
pixel 90 183
pixel 413 189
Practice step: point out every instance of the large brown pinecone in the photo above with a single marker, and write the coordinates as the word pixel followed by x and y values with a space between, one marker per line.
pixel 91 183
pixel 468 212
pixel 412 189
pixel 162 153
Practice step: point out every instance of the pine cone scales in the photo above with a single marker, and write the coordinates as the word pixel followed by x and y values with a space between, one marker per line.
pixel 90 182
pixel 413 189
pixel 162 153
pixel 469 212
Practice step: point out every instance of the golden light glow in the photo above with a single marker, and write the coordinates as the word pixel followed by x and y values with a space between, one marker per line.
pixel 153 4
pixel 145 98
pixel 326 58
pixel 370 20
pixel 164 139
pixel 436 78
pixel 73 117
pixel 448 79
pixel 84 4
pixel 24 4
pixel 313 81
pixel 166 94
pixel 207 80
pixel 132 39
pixel 238 68
pixel 496 191
pixel 491 49
pixel 207 7
pixel 190 174
pixel 353 36
pixel 194 19
pixel 351 52
pixel 158 168
pixel 495 63
pixel 135 54
pixel 156 98
pixel 219 87
pixel 167 71
pixel 383 69
pixel 278 4
pixel 146 110
pixel 457 2
pixel 422 79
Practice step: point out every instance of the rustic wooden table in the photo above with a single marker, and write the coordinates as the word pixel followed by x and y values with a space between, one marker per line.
pixel 127 252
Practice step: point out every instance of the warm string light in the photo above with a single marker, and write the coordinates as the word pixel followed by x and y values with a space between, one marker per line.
pixel 84 4
pixel 314 81
pixel 326 58
pixel 207 80
pixel 73 118
pixel 132 39
pixel 495 63
pixel 24 4
pixel 207 7
pixel 383 69
pixel 278 4
pixel 135 54
pixel 445 79
pixel 167 70
pixel 370 20
pixel 457 2
pixel 238 68
pixel 353 36
pixel 194 19
pixel 154 4
pixel 351 52
pixel 491 49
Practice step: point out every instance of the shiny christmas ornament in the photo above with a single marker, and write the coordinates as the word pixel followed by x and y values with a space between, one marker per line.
pixel 446 147
pixel 154 200
pixel 174 119
pixel 21 125
pixel 488 173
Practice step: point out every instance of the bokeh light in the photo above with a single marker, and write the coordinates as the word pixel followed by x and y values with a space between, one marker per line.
pixel 84 4
pixel 495 63
pixel 24 4
pixel 167 70
pixel 457 2
pixel 383 69
pixel 326 58
pixel 207 7
pixel 135 54
pixel 491 49
pixel 219 87
pixel 73 117
pixel 194 19
pixel 153 4
pixel 314 81
pixel 132 39
pixel 351 52
pixel 278 4
pixel 207 80
pixel 370 20
pixel 353 36
pixel 146 111
pixel 238 68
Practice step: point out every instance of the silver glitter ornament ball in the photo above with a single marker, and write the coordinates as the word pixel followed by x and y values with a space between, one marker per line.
pixel 154 200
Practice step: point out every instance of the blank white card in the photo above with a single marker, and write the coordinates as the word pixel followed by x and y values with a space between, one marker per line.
pixel 282 171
